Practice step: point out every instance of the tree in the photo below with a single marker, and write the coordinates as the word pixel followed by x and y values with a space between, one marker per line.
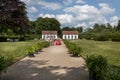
pixel 66 29
pixel 47 24
pixel 118 26
pixel 13 13
pixel 79 29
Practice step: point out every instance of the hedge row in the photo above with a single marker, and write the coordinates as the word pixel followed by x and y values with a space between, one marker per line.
pixel 101 36
pixel 99 69
pixel 34 49
pixel 73 48
pixel 12 38
pixel 98 66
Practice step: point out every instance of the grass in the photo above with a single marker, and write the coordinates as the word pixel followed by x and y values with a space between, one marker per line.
pixel 15 50
pixel 111 50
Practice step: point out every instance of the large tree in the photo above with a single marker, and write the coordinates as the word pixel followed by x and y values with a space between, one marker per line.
pixel 13 13
pixel 118 26
pixel 47 24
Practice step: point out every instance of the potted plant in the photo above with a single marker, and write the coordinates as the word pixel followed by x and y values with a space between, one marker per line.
pixel 97 66
pixel 3 65
pixel 31 51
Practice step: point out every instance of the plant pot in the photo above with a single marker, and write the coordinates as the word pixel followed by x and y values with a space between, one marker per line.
pixel 37 52
pixel 31 55
pixel 75 55
pixel 93 76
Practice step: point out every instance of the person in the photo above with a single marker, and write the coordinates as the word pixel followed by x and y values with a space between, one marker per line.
pixel 51 42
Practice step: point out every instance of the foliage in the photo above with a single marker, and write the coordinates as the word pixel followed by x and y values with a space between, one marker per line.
pixel 36 47
pixel 102 32
pixel 13 51
pixel 13 15
pixel 73 48
pixel 47 24
pixel 79 29
pixel 112 74
pixel 11 38
pixel 108 49
pixel 3 64
pixel 115 37
pixel 97 66
pixel 118 26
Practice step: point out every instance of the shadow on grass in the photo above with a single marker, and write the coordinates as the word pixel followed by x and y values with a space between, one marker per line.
pixel 37 70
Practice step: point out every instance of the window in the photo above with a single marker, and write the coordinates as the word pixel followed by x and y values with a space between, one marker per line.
pixel 75 36
pixel 65 36
pixel 71 36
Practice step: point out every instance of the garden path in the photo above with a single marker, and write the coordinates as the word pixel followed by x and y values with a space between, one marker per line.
pixel 53 63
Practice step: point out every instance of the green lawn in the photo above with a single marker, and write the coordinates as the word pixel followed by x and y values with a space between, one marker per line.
pixel 15 50
pixel 111 50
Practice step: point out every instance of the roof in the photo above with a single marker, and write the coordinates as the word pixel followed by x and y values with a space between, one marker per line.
pixel 49 32
pixel 70 32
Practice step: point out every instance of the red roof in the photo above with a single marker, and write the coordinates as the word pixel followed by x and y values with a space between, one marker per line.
pixel 70 32
pixel 49 32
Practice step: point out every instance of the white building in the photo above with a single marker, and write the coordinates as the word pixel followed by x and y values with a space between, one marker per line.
pixel 49 34
pixel 70 34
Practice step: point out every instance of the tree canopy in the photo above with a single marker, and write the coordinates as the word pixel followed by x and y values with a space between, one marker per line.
pixel 47 24
pixel 13 15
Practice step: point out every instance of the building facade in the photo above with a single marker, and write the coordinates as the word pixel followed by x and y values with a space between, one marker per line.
pixel 49 34
pixel 70 34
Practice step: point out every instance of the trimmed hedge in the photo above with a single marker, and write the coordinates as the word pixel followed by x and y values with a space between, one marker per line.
pixel 73 48
pixel 36 48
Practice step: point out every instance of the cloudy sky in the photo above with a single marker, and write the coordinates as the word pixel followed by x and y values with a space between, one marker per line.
pixel 75 13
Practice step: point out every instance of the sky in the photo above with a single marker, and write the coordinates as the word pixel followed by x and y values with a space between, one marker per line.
pixel 75 13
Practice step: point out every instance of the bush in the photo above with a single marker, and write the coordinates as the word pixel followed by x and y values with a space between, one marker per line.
pixel 101 37
pixel 116 37
pixel 36 48
pixel 31 51
pixel 97 66
pixel 112 74
pixel 73 48
pixel 3 64
pixel 45 44
pixel 3 39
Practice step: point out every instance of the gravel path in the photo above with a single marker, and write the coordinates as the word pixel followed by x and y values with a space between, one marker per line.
pixel 53 63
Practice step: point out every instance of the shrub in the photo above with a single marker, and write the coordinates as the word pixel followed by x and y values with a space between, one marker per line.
pixel 3 64
pixel 101 37
pixel 116 37
pixel 31 51
pixel 3 39
pixel 97 66
pixel 73 48
pixel 45 44
pixel 112 74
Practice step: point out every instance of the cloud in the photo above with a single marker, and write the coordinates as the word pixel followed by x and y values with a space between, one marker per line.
pixel 32 9
pixel 67 2
pixel 80 1
pixel 43 3
pixel 72 12
pixel 83 24
pixel 46 15
pixel 83 13
pixel 114 20
pixel 62 18
pixel 50 5
pixel 106 9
